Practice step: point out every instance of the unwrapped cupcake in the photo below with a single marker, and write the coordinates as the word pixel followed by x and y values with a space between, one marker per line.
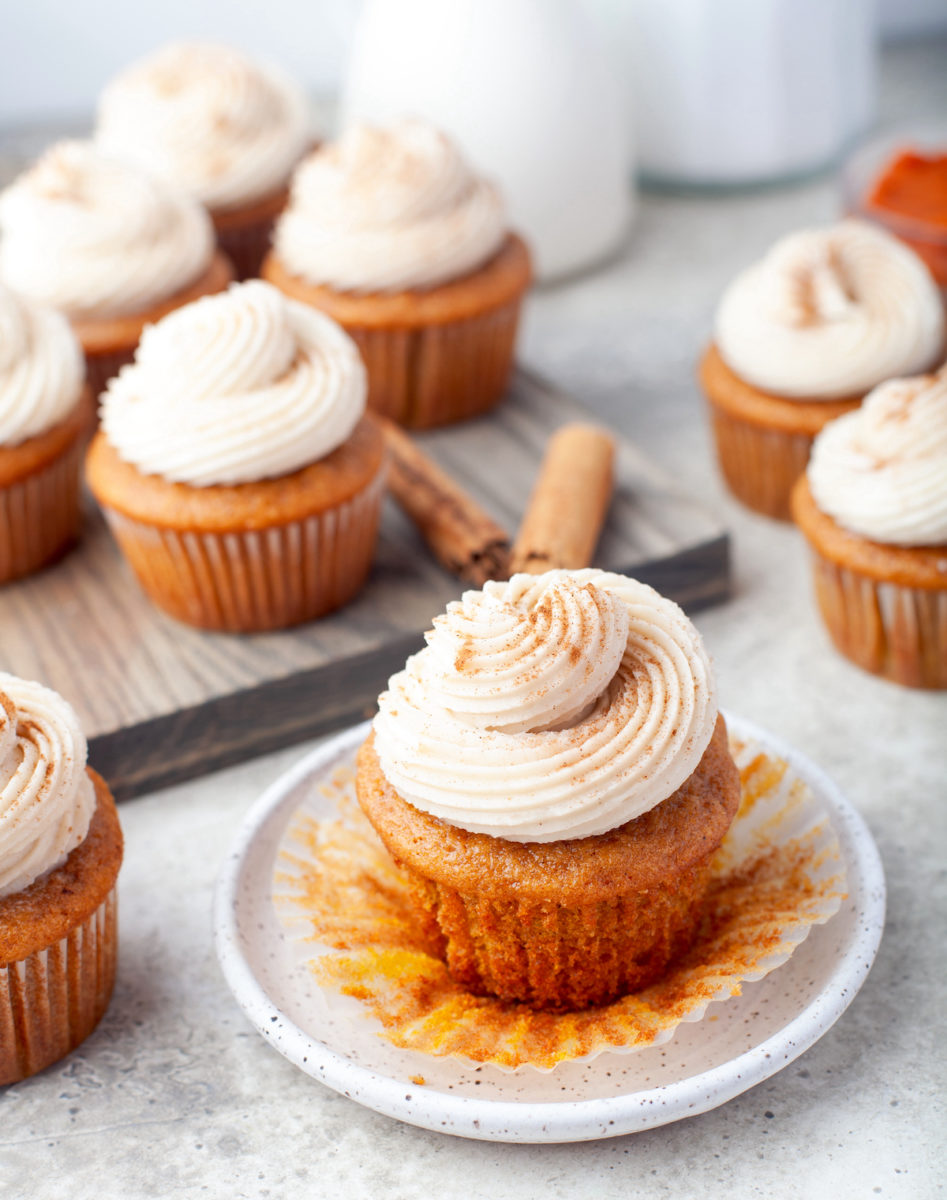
pixel 553 774
pixel 45 411
pixel 111 247
pixel 800 337
pixel 392 234
pixel 223 128
pixel 873 507
pixel 235 464
pixel 60 853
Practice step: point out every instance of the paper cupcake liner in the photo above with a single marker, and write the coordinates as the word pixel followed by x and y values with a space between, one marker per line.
pixel 254 580
pixel 759 465
pixel 441 373
pixel 247 245
pixel 52 1000
pixel 894 631
pixel 348 910
pixel 40 515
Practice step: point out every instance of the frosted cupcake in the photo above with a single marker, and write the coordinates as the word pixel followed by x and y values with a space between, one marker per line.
pixel 60 853
pixel 553 774
pixel 221 127
pixel 235 464
pixel 106 244
pixel 45 409
pixel 873 507
pixel 800 337
pixel 391 233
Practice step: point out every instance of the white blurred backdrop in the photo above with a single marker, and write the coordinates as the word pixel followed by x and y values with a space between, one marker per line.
pixel 55 54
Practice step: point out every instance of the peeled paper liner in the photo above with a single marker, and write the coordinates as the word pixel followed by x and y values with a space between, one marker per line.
pixel 346 906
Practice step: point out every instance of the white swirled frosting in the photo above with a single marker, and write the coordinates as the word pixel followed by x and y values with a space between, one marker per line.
pixel 41 368
pixel 881 471
pixel 46 797
pixel 387 209
pixel 552 706
pixel 96 237
pixel 234 388
pixel 831 312
pixel 225 129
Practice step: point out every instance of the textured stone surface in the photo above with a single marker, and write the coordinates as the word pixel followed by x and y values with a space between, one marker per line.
pixel 175 1094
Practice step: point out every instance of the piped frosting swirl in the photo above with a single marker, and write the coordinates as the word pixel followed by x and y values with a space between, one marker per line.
pixel 95 237
pixel 831 312
pixel 223 128
pixel 382 210
pixel 549 707
pixel 234 388
pixel 881 471
pixel 46 797
pixel 41 368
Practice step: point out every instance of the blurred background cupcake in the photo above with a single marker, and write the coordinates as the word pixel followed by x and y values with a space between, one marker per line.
pixel 873 508
pixel 216 124
pixel 60 854
pixel 391 233
pixel 45 409
pixel 235 464
pixel 107 244
pixel 800 337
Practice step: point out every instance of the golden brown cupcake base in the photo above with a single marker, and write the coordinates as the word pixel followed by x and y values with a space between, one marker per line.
pixel 40 511
pixel 254 556
pixel 569 924
pixel 244 234
pixel 109 343
pixel 434 356
pixel 58 950
pixel 885 607
pixel 763 441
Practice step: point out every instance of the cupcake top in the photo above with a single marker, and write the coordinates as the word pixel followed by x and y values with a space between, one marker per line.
pixel 46 797
pixel 98 238
pixel 382 210
pixel 41 368
pixel 881 471
pixel 552 706
pixel 223 128
pixel 235 388
pixel 831 312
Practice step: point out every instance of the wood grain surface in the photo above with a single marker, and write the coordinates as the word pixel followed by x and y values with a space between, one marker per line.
pixel 162 702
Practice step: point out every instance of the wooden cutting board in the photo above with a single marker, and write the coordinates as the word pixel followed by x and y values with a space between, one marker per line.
pixel 162 702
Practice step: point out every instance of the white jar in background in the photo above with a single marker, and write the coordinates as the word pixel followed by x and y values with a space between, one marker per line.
pixel 528 90
pixel 731 92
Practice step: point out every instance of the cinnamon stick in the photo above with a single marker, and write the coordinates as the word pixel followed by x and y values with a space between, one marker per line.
pixel 462 537
pixel 569 502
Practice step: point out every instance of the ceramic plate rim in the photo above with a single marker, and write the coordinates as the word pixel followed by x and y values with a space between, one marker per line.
pixel 567 1120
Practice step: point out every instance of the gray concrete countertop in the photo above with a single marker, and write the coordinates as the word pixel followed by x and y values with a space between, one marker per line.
pixel 175 1094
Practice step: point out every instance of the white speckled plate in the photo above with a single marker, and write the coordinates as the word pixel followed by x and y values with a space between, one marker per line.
pixel 739 1042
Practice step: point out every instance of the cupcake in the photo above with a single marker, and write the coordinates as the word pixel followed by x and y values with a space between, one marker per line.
pixel 800 337
pixel 224 129
pixel 60 852
pixel 45 411
pixel 873 508
pixel 108 245
pixel 553 774
pixel 235 465
pixel 391 234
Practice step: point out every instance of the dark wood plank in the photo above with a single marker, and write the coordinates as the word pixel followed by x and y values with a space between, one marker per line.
pixel 163 703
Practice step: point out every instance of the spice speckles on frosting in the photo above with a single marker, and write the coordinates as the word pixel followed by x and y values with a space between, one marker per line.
pixel 881 471
pixel 553 706
pixel 235 388
pixel 46 797
pixel 831 312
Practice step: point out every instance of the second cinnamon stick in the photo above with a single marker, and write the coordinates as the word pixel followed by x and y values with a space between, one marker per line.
pixel 567 508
